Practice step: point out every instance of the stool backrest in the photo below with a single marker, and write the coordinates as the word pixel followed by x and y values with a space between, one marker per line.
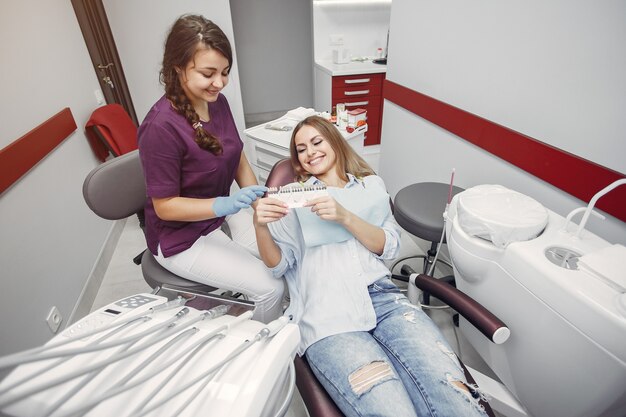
pixel 116 189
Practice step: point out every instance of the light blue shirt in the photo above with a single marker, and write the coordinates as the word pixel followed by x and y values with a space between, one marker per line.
pixel 328 283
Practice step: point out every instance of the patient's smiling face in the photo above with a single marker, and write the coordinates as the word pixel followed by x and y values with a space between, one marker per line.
pixel 314 152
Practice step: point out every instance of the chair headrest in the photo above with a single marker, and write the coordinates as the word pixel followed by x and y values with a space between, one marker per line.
pixel 116 189
pixel 281 174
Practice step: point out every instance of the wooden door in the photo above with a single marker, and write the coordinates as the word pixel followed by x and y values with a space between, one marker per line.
pixel 103 52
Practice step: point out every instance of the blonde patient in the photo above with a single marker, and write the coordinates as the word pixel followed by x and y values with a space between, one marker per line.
pixel 374 352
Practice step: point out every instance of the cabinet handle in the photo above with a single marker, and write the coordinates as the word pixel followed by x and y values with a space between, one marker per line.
pixel 358 103
pixel 356 93
pixel 357 81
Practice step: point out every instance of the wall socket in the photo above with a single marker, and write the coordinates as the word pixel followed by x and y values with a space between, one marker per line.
pixel 54 319
pixel 336 40
pixel 99 97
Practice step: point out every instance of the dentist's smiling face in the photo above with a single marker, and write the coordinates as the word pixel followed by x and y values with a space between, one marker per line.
pixel 205 76
pixel 314 152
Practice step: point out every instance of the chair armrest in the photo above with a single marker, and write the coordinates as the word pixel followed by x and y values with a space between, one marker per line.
pixel 481 318
pixel 314 396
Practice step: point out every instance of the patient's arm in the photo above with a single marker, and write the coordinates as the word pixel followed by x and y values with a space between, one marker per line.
pixel 266 211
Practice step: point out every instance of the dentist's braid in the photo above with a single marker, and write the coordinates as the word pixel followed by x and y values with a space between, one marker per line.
pixel 190 33
pixel 204 139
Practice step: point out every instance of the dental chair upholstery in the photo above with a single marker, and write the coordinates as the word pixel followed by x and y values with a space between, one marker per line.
pixel 116 190
pixel 315 398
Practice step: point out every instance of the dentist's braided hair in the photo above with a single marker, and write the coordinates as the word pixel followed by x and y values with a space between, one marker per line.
pixel 189 34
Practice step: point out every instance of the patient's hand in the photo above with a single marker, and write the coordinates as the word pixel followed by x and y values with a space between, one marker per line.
pixel 269 210
pixel 328 208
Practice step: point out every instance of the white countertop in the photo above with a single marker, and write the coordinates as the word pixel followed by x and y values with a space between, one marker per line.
pixel 282 138
pixel 352 68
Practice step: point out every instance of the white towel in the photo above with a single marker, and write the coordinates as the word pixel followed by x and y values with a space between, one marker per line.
pixel 300 113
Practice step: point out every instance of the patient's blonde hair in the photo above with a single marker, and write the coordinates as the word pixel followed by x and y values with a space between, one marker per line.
pixel 347 160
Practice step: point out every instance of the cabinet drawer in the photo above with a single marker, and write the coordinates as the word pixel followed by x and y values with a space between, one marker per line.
pixel 268 155
pixel 347 94
pixel 356 82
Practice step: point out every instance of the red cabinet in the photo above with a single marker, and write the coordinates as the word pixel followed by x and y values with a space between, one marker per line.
pixel 362 91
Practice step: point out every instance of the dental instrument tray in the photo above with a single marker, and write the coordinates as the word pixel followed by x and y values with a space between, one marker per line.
pixel 160 356
pixel 296 195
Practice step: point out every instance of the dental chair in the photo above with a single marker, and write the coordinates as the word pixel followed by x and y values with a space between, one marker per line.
pixel 116 190
pixel 315 398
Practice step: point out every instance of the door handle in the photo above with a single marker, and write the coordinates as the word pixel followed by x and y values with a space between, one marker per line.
pixel 108 81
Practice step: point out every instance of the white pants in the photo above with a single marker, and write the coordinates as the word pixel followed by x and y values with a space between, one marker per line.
pixel 234 265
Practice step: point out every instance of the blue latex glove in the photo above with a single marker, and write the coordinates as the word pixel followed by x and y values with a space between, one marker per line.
pixel 223 206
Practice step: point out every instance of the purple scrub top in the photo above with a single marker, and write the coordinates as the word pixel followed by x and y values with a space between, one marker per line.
pixel 174 165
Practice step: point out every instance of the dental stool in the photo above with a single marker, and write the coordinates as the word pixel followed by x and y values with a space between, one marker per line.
pixel 418 209
pixel 116 190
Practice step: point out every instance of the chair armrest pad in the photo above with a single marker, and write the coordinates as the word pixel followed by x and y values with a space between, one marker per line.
pixel 481 318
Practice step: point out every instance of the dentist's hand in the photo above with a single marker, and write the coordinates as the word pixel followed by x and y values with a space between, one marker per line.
pixel 223 206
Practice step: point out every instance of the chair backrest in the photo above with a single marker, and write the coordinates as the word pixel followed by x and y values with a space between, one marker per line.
pixel 111 130
pixel 116 189
pixel 281 174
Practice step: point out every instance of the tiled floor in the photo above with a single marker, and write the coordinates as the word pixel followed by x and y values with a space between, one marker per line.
pixel 123 278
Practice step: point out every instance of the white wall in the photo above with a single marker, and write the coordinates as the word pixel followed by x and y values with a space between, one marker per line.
pixel 140 27
pixel 551 70
pixel 49 239
pixel 275 54
pixel 363 26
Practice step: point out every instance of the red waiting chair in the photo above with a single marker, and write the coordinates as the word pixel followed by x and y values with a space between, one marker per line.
pixel 111 131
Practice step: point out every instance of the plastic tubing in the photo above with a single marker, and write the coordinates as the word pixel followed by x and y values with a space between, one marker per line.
pixel 594 200
pixel 82 383
pixel 201 345
pixel 29 377
pixel 94 401
pixel 97 365
pixel 61 342
pixel 282 410
pixel 21 359
pixel 246 316
pixel 122 386
pixel 267 331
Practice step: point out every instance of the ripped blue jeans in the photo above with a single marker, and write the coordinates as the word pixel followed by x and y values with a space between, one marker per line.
pixel 403 367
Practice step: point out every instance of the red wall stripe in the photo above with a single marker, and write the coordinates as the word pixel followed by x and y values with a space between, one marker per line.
pixel 20 156
pixel 572 174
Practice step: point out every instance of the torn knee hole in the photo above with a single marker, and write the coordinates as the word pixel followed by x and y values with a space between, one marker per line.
pixel 410 316
pixel 367 376
pixel 466 389
pixel 461 386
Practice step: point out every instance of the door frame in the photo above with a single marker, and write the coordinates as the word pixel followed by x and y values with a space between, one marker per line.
pixel 106 62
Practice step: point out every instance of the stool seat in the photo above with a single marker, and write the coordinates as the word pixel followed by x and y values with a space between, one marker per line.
pixel 156 276
pixel 418 208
